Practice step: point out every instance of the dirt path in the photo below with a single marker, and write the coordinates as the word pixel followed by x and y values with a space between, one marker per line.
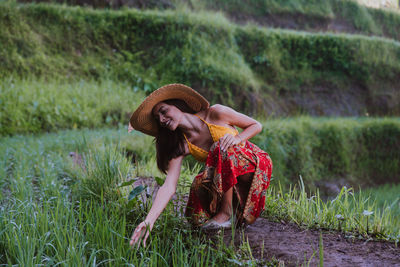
pixel 292 245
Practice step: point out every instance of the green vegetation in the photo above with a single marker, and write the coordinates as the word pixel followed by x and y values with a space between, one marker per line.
pixel 256 8
pixel 363 151
pixel 227 63
pixel 62 199
pixel 295 62
pixel 385 195
pixel 146 49
pixel 347 212
pixel 315 15
pixel 38 105
pixel 55 210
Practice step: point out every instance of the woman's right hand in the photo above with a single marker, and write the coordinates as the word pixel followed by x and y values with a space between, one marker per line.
pixel 141 232
pixel 164 194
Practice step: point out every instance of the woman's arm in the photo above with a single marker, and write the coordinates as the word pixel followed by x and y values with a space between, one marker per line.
pixel 164 194
pixel 225 114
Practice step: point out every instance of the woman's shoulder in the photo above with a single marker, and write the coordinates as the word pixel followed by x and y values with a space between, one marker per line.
pixel 217 114
pixel 218 111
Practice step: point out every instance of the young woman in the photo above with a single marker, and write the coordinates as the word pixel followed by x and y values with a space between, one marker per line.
pixel 236 173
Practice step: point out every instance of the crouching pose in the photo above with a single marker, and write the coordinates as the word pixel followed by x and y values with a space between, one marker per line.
pixel 236 174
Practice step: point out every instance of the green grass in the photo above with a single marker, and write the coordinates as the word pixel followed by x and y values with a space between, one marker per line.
pixel 313 14
pixel 229 64
pixel 54 212
pixel 291 61
pixel 301 14
pixel 362 151
pixel 39 105
pixel 354 214
pixel 159 48
pixel 385 195
pixel 73 68
pixel 259 8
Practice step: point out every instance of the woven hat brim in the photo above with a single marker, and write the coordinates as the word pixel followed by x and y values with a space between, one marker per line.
pixel 142 119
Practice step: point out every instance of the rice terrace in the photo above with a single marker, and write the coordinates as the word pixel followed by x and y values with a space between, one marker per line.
pixel 322 78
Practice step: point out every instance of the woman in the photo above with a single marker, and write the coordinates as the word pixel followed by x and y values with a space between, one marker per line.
pixel 236 174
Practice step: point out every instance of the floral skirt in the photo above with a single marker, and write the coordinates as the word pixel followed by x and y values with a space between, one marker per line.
pixel 222 171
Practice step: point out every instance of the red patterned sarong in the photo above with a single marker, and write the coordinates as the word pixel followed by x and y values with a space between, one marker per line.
pixel 220 174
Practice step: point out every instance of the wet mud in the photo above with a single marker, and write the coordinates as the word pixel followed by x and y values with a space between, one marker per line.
pixel 293 246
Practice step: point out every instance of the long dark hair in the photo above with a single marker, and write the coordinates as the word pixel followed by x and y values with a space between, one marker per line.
pixel 170 144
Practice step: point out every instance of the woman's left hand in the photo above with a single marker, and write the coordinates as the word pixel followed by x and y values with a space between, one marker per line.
pixel 229 140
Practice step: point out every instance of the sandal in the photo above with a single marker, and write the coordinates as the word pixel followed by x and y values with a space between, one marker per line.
pixel 213 225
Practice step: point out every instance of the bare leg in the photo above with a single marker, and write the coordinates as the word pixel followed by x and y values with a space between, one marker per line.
pixel 243 186
pixel 226 207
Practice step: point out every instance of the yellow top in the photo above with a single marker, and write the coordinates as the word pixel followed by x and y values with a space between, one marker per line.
pixel 216 131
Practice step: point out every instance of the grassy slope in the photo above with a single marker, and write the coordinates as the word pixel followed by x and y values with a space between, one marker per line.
pixel 345 16
pixel 245 67
pixel 316 15
pixel 145 48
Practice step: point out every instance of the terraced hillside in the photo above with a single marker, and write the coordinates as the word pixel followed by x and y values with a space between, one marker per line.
pixel 343 16
pixel 260 70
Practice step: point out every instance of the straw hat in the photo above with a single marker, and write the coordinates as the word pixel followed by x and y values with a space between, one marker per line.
pixel 142 119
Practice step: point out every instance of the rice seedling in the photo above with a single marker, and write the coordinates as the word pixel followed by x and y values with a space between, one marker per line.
pixel 60 213
pixel 384 195
pixel 347 212
pixel 54 211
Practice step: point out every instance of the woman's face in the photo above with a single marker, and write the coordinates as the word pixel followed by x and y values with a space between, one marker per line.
pixel 168 116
